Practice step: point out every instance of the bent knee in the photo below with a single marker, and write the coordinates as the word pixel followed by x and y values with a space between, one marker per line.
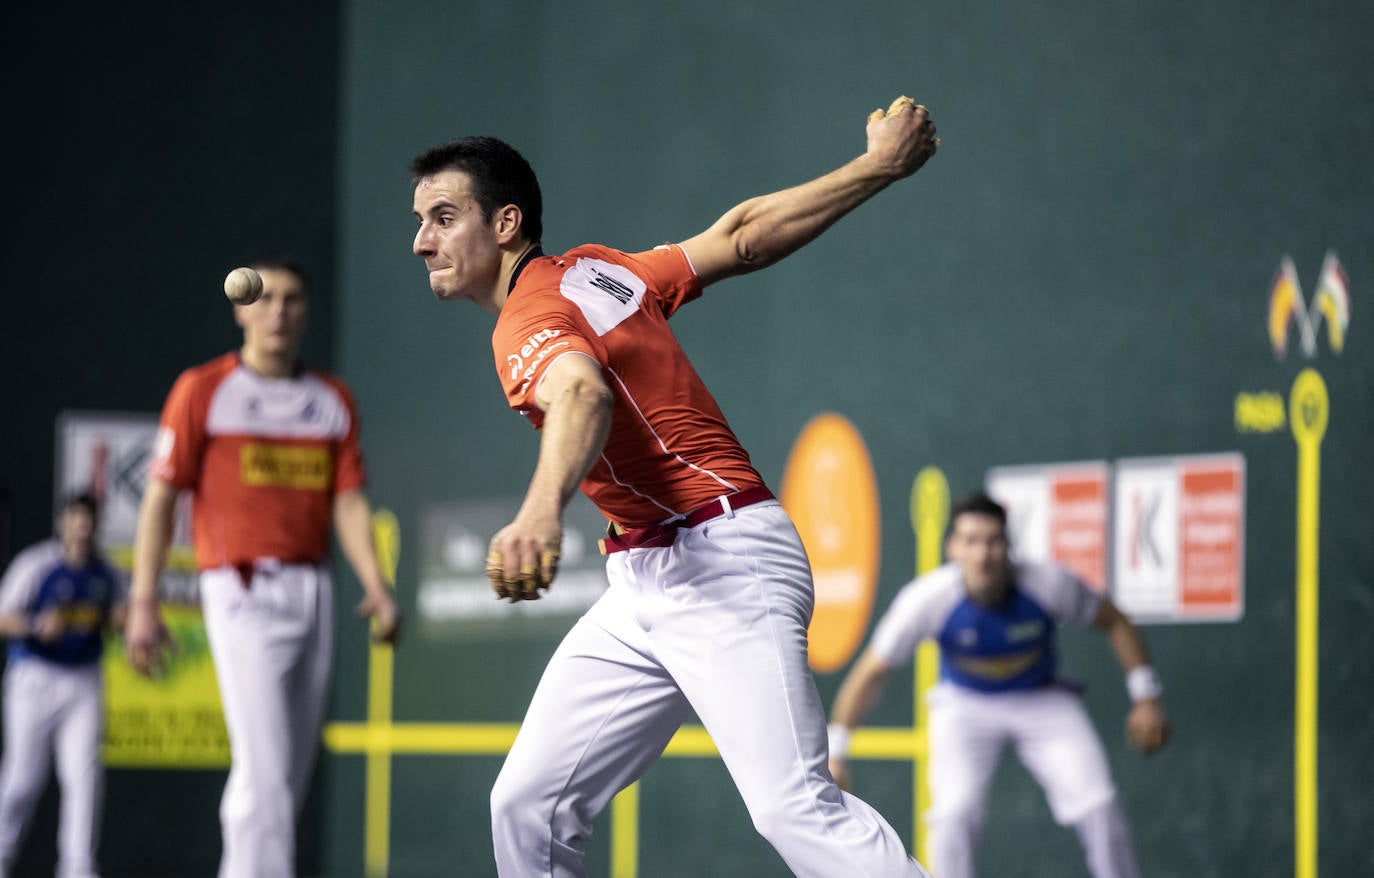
pixel 510 801
pixel 520 803
pixel 270 804
pixel 769 823
pixel 776 823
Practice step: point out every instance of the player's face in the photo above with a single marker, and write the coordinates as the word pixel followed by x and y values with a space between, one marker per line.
pixel 978 544
pixel 274 324
pixel 457 242
pixel 76 527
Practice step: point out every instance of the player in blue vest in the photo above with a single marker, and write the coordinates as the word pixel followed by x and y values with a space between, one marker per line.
pixel 995 622
pixel 56 601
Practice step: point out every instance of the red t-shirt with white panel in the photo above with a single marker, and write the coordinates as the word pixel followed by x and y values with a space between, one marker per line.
pixel 669 449
pixel 263 458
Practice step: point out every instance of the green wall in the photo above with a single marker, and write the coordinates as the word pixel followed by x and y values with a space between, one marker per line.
pixel 1082 273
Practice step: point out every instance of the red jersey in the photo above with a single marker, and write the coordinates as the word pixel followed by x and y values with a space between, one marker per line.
pixel 263 458
pixel 669 449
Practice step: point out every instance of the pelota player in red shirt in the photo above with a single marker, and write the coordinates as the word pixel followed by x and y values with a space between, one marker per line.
pixel 710 590
pixel 269 451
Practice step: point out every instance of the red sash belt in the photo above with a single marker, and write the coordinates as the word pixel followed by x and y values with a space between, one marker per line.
pixel 657 536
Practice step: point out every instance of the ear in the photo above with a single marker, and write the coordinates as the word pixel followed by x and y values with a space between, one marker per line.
pixel 507 224
pixel 238 314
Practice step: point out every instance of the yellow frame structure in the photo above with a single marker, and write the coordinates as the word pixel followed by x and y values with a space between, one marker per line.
pixel 379 738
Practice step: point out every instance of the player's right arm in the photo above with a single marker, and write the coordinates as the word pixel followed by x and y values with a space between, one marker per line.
pixel 763 230
pixel 577 405
pixel 177 454
pixel 17 592
pixel 858 695
pixel 13 625
pixel 145 636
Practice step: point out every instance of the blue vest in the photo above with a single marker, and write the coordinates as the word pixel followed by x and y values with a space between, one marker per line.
pixel 83 595
pixel 1000 649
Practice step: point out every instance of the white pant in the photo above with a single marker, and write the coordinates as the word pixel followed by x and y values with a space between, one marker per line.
pixel 52 710
pixel 1053 737
pixel 272 646
pixel 715 623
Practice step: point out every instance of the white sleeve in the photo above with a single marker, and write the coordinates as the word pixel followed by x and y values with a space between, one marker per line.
pixel 24 576
pixel 916 614
pixel 1067 599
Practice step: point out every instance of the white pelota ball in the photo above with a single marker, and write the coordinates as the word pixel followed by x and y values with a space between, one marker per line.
pixel 243 286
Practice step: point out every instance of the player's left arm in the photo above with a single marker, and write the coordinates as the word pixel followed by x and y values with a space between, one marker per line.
pixel 1147 725
pixel 17 590
pixel 353 525
pixel 577 406
pixel 760 231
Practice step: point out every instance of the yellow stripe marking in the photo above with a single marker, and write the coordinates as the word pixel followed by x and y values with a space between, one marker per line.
pixel 1309 410
pixel 495 739
pixel 929 515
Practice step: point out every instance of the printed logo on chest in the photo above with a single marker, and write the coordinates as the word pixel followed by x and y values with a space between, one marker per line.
pixel 278 466
pixel 998 667
pixel 1022 631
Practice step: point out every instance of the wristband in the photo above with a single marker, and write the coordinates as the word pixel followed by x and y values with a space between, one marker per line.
pixel 1142 683
pixel 839 740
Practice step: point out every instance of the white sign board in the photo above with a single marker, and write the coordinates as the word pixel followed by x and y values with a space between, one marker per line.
pixel 1179 538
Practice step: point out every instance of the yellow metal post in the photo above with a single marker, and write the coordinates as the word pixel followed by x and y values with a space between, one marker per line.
pixel 386 535
pixel 929 515
pixel 625 833
pixel 1309 410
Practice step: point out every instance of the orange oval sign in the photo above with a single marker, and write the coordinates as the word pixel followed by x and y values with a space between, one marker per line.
pixel 831 493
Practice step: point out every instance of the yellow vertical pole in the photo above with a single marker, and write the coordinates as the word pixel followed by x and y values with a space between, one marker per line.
pixel 1309 410
pixel 386 536
pixel 929 515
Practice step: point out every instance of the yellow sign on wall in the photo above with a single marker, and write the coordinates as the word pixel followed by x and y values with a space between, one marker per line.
pixel 175 721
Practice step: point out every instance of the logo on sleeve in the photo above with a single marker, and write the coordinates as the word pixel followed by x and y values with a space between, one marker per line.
pixel 517 360
pixel 606 293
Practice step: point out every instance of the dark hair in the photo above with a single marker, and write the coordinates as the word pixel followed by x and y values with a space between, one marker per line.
pixel 287 263
pixel 978 503
pixel 84 500
pixel 499 174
